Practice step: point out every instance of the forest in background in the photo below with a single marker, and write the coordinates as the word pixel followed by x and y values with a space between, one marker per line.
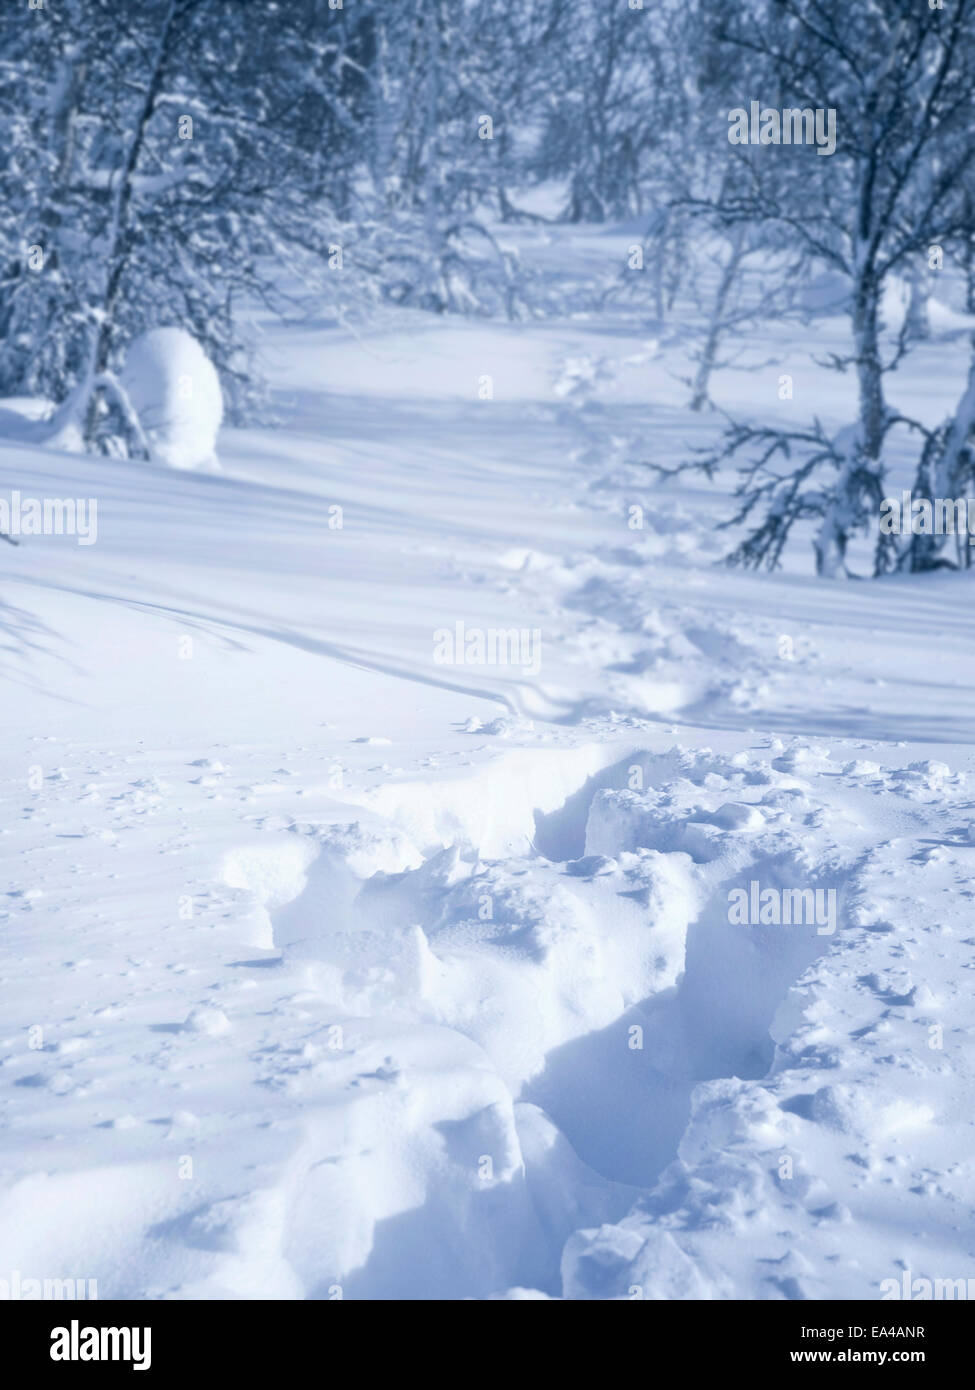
pixel 170 162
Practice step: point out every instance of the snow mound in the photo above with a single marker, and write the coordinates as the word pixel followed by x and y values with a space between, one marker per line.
pixel 212 1022
pixel 175 391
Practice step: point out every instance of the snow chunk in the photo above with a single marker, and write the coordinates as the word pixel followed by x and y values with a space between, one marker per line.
pixel 861 767
pixel 737 815
pixel 505 726
pixel 212 1022
pixel 591 866
pixel 175 391
pixel 620 1262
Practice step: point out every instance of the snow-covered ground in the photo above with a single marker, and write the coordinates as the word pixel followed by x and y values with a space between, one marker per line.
pixel 335 965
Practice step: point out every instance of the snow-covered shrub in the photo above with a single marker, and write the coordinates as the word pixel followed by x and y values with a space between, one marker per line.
pixel 175 391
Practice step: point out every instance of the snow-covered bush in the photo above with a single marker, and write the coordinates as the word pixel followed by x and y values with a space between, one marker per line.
pixel 175 392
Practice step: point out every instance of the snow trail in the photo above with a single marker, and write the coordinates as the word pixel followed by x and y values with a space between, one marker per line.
pixel 344 963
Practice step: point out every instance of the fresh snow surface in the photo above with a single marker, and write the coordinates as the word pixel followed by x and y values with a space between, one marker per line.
pixel 333 969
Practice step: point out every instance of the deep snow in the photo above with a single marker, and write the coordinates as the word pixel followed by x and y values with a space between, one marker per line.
pixel 332 969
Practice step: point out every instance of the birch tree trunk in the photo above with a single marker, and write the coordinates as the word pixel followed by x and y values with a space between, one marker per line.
pixel 716 325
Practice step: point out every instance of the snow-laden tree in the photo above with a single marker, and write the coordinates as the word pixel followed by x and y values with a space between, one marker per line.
pixel 173 161
pixel 720 277
pixel 42 72
pixel 177 179
pixel 899 77
pixel 448 105
pixel 602 105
